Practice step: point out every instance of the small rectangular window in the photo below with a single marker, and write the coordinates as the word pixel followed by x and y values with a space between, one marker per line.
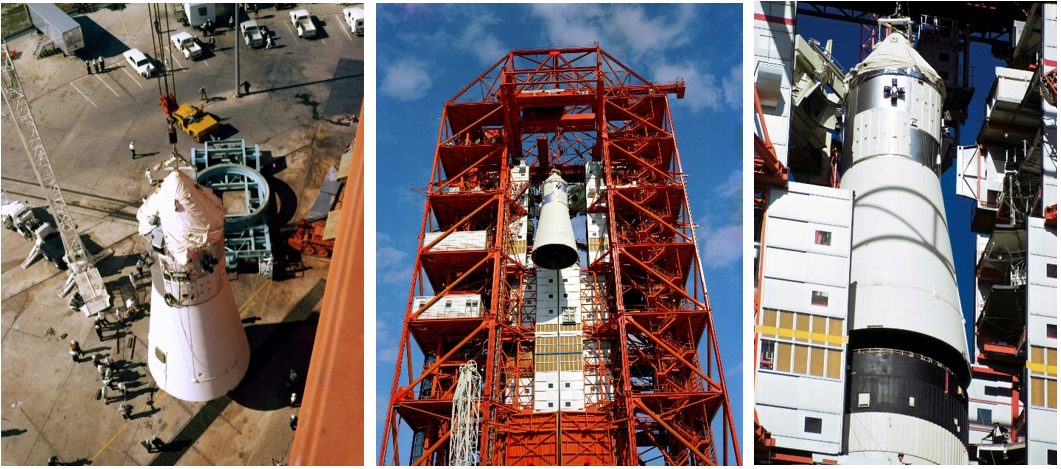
pixel 550 404
pixel 799 364
pixel 1037 385
pixel 1051 331
pixel 812 425
pixel 823 238
pixel 819 298
pixel 202 11
pixel 784 357
pixel 834 363
pixel 983 416
pixel 1051 457
pixel 944 57
pixel 766 357
pixel 1051 270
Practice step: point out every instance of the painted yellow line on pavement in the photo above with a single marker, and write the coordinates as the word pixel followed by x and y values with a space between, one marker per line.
pixel 127 422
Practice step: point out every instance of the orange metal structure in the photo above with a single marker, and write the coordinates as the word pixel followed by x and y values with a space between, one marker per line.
pixel 644 295
pixel 330 434
pixel 309 239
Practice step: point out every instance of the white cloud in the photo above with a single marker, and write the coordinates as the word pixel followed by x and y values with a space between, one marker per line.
pixel 733 86
pixel 406 80
pixel 392 265
pixel 569 24
pixel 733 185
pixel 640 34
pixel 719 247
pixel 477 39
pixel 386 342
pixel 627 32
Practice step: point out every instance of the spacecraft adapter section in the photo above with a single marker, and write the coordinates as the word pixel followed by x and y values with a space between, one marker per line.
pixel 909 365
pixel 199 350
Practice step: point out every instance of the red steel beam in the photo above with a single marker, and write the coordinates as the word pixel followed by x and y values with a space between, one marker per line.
pixel 334 434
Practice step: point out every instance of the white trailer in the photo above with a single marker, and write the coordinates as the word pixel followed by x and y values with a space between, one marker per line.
pixel 57 25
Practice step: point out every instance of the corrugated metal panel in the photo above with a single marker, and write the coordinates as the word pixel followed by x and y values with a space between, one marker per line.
pixel 325 197
pixel 331 227
pixel 891 433
pixel 458 241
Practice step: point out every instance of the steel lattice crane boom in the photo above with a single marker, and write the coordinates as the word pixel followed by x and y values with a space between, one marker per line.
pixel 463 444
pixel 81 263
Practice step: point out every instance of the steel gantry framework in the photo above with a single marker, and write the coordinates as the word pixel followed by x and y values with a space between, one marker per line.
pixel 650 392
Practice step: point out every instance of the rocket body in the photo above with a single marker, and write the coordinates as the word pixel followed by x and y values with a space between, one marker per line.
pixel 198 350
pixel 909 363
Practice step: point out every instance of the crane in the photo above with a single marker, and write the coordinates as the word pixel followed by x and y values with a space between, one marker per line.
pixel 82 264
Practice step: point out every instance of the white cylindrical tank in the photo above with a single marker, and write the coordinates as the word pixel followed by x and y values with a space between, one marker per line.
pixel 198 350
pixel 909 366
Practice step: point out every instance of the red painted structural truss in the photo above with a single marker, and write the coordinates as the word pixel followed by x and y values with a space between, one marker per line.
pixel 644 295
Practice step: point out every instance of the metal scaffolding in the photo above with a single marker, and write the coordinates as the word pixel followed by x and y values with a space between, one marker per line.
pixel 631 323
pixel 464 444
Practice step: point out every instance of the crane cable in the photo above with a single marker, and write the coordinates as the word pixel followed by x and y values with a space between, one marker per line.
pixel 166 99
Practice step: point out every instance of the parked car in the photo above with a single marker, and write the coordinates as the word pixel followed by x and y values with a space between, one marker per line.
pixel 140 62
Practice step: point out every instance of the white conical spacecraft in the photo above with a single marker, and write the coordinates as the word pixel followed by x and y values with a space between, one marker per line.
pixel 554 243
pixel 198 350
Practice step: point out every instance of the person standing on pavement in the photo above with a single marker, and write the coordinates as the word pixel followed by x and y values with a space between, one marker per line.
pixel 132 149
pixel 101 66
pixel 99 331
pixel 213 43
pixel 246 87
pixel 75 351
pixel 126 410
pixel 202 97
pixel 88 68
pixel 102 318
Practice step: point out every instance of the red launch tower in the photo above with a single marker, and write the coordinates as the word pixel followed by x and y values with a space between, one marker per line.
pixel 609 373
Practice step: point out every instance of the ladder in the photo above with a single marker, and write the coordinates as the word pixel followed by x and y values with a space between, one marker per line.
pixel 43 46
pixel 81 263
pixel 464 437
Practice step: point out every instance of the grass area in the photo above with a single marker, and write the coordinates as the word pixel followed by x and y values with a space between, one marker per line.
pixel 13 17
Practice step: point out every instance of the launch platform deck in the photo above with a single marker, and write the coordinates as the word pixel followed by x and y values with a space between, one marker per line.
pixel 304 94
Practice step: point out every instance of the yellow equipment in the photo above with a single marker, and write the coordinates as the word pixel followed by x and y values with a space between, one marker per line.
pixel 196 123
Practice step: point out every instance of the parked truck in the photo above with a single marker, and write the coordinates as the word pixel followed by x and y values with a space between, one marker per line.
pixel 355 20
pixel 252 33
pixel 187 45
pixel 58 26
pixel 21 218
pixel 303 24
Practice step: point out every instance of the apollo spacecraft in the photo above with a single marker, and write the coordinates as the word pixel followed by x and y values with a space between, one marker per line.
pixel 909 366
pixel 198 349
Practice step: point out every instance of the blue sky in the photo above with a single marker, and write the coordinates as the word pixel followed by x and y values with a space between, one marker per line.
pixel 846 40
pixel 426 53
